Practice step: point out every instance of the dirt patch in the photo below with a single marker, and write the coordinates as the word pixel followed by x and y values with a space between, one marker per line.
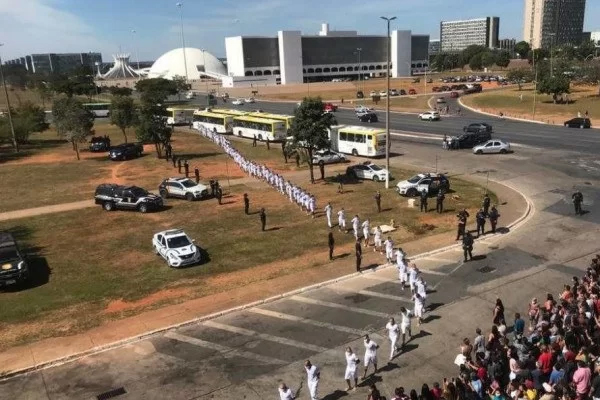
pixel 119 306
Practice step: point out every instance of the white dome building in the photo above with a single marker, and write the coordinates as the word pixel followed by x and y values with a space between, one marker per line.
pixel 199 62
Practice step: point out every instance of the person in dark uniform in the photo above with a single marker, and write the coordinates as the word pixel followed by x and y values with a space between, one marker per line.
pixel 462 223
pixel 197 174
pixel 219 194
pixel 358 252
pixel 485 204
pixel 263 219
pixel 467 244
pixel 179 165
pixel 254 141
pixel 331 244
pixel 322 170
pixel 268 145
pixel 423 198
pixel 174 161
pixel 284 152
pixel 480 219
pixel 107 140
pixel 246 203
pixel 340 182
pixel 217 186
pixel 439 201
pixel 186 167
pixel 493 216
pixel 297 159
pixel 377 198
pixel 212 187
pixel 577 201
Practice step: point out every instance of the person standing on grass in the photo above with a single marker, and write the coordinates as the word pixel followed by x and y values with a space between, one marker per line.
pixel 358 253
pixel 219 195
pixel 341 220
pixel 378 201
pixel 439 201
pixel 366 227
pixel 393 331
pixel 246 203
pixel 423 200
pixel 350 374
pixel 313 375
pixel 263 218
pixel 378 239
pixel 331 243
pixel 328 212
pixel 355 225
pixel 370 355
pixel 285 156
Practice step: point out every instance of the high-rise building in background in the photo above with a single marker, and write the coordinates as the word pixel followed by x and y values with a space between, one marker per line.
pixel 458 35
pixel 508 45
pixel 434 46
pixel 553 22
pixel 57 62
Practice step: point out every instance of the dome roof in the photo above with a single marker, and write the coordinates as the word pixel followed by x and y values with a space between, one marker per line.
pixel 172 64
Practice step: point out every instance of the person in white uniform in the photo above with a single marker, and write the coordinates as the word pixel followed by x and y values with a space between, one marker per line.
pixel 393 331
pixel 370 355
pixel 403 272
pixel 342 219
pixel 418 307
pixel 405 324
pixel 413 272
pixel 355 224
pixel 389 249
pixel 312 378
pixel 350 375
pixel 328 212
pixel 378 239
pixel 421 289
pixel 366 227
pixel 285 393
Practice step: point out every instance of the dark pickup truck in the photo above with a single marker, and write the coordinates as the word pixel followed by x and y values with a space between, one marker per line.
pixel 13 267
pixel 126 151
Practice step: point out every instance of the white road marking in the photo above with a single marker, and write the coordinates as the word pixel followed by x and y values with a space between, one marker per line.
pixel 307 300
pixel 264 336
pixel 228 351
pixel 308 321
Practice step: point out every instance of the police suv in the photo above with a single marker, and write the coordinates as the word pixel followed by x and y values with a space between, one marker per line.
pixel 176 247
pixel 183 188
pixel 112 197
pixel 430 182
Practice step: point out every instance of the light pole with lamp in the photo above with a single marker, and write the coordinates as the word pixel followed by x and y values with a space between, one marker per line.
pixel 10 121
pixel 180 6
pixel 387 104
pixel 137 54
pixel 358 50
pixel 552 35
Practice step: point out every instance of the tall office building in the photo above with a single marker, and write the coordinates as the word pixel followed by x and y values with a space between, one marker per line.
pixel 553 22
pixel 458 35
pixel 57 62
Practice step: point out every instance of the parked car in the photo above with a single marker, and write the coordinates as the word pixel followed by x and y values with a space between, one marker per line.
pixel 469 140
pixel 13 266
pixel 373 93
pixel 112 197
pixel 327 156
pixel 578 123
pixel 492 146
pixel 432 183
pixel 238 102
pixel 382 93
pixel 249 100
pixel 176 247
pixel 412 91
pixel 394 92
pixel 440 100
pixel 190 95
pixel 360 94
pixel 454 95
pixel 429 116
pixel 478 127
pixel 99 143
pixel 183 188
pixel 369 171
pixel 444 88
pixel 435 89
pixel 368 116
pixel 126 151
pixel 402 92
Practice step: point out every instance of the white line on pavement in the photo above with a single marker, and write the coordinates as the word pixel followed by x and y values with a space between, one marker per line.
pixel 307 321
pixel 223 349
pixel 306 300
pixel 264 336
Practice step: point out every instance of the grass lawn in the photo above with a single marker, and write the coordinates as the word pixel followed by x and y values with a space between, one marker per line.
pixel 510 103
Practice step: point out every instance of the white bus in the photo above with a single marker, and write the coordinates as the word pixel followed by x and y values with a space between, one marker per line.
pixel 261 128
pixel 358 140
pixel 227 111
pixel 180 116
pixel 100 110
pixel 214 122
pixel 288 119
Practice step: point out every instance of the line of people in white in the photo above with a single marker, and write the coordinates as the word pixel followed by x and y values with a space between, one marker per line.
pixel 296 194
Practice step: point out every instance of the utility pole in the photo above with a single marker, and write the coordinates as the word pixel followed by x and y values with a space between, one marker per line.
pixel 535 78
pixel 387 105
pixel 10 121
pixel 552 53
pixel 180 6
pixel 358 50
pixel 137 54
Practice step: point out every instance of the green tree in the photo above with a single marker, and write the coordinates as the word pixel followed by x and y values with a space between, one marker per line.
pixel 181 85
pixel 79 82
pixel 519 75
pixel 439 62
pixel 539 54
pixel 522 48
pixel 487 59
pixel 16 75
pixel 123 113
pixel 554 85
pixel 476 62
pixel 72 121
pixel 502 59
pixel 590 73
pixel 310 128
pixel 467 54
pixel 120 91
pixel 27 119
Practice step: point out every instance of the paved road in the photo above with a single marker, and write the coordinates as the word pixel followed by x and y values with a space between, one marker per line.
pixel 246 354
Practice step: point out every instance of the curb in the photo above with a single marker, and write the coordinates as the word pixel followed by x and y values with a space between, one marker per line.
pixel 529 211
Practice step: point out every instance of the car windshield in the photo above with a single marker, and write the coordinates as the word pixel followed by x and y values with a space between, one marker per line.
pixel 375 167
pixel 8 254
pixel 188 183
pixel 138 192
pixel 177 242
pixel 97 140
pixel 414 179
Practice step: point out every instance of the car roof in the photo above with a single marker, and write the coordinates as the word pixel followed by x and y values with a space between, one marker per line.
pixel 179 179
pixel 172 232
pixel 7 239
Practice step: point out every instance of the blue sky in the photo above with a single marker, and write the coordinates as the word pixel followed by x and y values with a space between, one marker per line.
pixel 30 26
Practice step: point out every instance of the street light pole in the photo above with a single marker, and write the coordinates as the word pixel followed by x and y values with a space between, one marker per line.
pixel 137 54
pixel 387 105
pixel 10 121
pixel 358 50
pixel 552 54
pixel 180 6
pixel 205 76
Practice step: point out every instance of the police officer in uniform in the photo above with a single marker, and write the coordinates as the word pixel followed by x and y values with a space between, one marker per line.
pixel 467 245
pixel 577 200
pixel 331 244
pixel 186 167
pixel 254 141
pixel 173 159
pixel 263 219
pixel 268 146
pixel 485 204
pixel 246 203
pixel 179 165
pixel 358 252
pixel 219 194
pixel 462 223
pixel 480 219
pixel 197 174
pixel 297 159
pixel 285 155
pixel 423 195
pixel 212 187
pixel 439 201
pixel 493 216
pixel 322 170
pixel 378 201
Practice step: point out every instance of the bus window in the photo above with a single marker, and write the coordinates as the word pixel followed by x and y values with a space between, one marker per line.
pixel 351 137
pixel 359 138
pixel 343 136
pixel 369 138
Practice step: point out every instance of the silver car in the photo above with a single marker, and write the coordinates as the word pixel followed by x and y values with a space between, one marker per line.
pixel 327 157
pixel 492 146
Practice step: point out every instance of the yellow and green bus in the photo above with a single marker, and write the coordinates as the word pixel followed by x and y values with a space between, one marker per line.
pixel 261 128
pixel 100 110
pixel 277 117
pixel 358 140
pixel 227 111
pixel 212 121
pixel 180 115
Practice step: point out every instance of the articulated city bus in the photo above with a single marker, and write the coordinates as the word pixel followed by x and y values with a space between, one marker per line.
pixel 277 117
pixel 261 128
pixel 180 116
pixel 100 110
pixel 212 121
pixel 358 140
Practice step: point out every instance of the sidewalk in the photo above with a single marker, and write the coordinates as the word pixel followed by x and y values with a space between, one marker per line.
pixel 53 351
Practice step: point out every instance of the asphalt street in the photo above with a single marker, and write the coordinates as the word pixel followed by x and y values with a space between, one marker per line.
pixel 244 355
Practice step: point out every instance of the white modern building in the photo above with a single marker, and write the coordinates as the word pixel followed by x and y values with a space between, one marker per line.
pixel 190 63
pixel 458 35
pixel 291 57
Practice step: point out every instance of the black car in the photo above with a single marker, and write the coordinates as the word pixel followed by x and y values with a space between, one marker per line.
pixel 402 92
pixel 578 123
pixel 368 117
pixel 469 139
pixel 112 197
pixel 360 94
pixel 126 151
pixel 13 267
pixel 478 127
pixel 99 143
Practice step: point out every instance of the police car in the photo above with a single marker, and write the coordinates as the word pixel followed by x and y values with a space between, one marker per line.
pixel 430 182
pixel 183 188
pixel 176 247
pixel 369 171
